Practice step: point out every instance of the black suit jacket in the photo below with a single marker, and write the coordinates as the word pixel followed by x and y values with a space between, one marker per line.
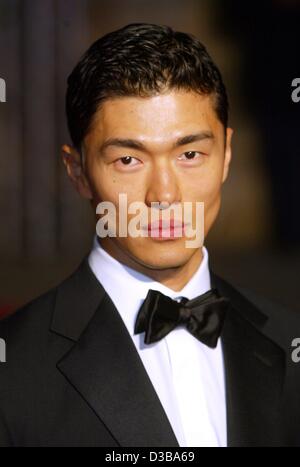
pixel 73 376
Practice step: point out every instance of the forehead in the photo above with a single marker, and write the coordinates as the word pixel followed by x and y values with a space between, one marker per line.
pixel 172 113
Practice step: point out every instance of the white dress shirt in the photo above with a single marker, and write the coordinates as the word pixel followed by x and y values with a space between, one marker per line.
pixel 187 376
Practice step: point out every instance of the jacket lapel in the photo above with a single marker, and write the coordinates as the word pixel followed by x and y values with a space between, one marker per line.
pixel 254 373
pixel 104 365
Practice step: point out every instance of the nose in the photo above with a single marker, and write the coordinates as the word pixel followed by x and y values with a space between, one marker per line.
pixel 163 187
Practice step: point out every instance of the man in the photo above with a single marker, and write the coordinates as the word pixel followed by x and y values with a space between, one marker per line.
pixel 144 345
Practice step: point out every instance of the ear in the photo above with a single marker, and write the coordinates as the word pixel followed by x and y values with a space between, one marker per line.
pixel 227 160
pixel 73 164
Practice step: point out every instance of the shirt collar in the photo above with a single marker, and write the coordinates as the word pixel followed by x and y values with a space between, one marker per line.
pixel 128 288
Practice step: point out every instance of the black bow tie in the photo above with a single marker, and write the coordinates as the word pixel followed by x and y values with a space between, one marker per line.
pixel 203 316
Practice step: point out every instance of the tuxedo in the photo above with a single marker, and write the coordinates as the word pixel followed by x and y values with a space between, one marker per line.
pixel 187 375
pixel 73 376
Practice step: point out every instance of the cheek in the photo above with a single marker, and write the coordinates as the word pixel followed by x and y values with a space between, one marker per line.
pixel 206 187
pixel 213 190
pixel 104 185
pixel 107 187
pixel 212 198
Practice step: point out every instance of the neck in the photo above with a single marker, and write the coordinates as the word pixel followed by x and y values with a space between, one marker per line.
pixel 174 278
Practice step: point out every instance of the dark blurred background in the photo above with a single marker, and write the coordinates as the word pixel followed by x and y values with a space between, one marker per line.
pixel 47 228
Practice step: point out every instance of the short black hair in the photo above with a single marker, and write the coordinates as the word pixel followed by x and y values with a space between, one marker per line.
pixel 140 59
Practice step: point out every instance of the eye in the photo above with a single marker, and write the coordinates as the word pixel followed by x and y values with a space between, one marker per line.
pixel 190 155
pixel 127 160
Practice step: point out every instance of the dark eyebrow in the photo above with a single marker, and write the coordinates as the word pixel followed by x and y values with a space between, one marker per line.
pixel 135 144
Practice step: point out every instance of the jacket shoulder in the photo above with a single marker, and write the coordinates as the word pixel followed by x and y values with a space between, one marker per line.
pixel 34 315
pixel 28 326
pixel 37 313
pixel 283 323
pixel 26 332
pixel 277 321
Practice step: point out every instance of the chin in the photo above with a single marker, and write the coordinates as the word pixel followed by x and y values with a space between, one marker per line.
pixel 163 257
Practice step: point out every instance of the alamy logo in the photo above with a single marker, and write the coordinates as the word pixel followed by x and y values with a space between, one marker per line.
pixel 161 220
pixel 296 92
pixel 2 90
pixel 2 351
pixel 296 352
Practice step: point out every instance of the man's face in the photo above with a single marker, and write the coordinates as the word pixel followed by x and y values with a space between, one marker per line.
pixel 155 169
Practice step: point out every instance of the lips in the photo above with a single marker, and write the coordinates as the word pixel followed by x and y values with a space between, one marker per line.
pixel 165 229
pixel 165 225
